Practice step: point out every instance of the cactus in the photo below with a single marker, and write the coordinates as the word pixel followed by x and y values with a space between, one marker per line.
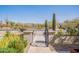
pixel 46 34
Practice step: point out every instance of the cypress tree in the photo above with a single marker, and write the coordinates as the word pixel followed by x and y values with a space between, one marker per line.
pixel 45 24
pixel 54 22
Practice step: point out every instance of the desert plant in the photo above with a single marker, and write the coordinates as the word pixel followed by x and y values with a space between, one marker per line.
pixel 59 33
pixel 72 31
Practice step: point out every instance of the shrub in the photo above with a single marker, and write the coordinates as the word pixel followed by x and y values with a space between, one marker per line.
pixel 72 31
pixel 12 41
pixel 7 34
pixel 18 45
pixel 25 42
pixel 8 50
pixel 6 39
pixel 60 32
pixel 78 32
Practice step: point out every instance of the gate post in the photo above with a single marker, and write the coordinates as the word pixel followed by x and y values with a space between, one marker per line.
pixel 32 37
pixel 22 34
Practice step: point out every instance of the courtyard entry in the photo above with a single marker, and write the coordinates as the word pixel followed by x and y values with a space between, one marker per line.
pixel 39 38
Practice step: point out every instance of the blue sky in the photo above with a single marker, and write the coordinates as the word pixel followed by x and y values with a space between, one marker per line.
pixel 38 13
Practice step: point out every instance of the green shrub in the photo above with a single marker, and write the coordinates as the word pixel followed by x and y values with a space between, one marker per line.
pixel 8 50
pixel 78 32
pixel 18 45
pixel 12 41
pixel 72 31
pixel 59 33
pixel 12 44
pixel 7 34
pixel 25 42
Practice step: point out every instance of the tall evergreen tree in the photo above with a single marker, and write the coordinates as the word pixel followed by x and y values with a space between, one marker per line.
pixel 45 24
pixel 54 22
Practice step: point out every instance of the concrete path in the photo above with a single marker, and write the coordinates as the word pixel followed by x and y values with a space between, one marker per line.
pixel 39 50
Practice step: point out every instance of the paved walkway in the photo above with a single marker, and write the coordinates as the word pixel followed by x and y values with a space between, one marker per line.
pixel 41 50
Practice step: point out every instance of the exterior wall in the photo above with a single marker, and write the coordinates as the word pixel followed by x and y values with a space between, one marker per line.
pixel 28 37
pixel 65 40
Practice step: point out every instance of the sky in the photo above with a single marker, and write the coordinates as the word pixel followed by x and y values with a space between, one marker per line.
pixel 38 13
